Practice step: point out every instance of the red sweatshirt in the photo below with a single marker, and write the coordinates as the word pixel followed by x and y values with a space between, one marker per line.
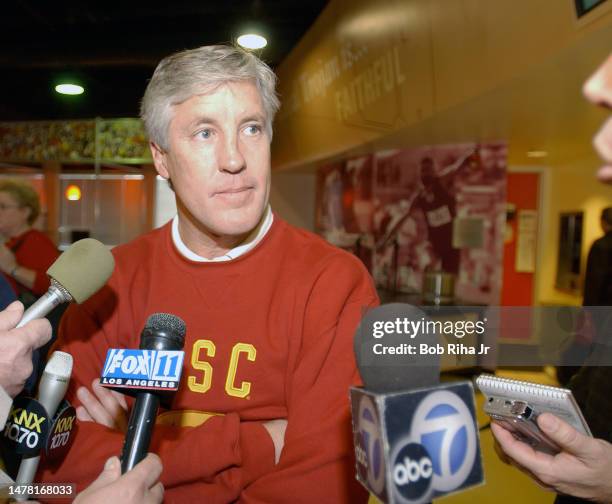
pixel 35 251
pixel 269 336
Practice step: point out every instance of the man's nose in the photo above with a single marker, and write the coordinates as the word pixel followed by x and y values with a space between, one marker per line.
pixel 230 157
pixel 598 88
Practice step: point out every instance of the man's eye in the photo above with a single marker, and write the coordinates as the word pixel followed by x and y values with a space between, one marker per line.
pixel 205 133
pixel 252 129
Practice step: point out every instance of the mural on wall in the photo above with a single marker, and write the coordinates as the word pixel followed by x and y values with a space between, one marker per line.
pixel 118 140
pixel 408 211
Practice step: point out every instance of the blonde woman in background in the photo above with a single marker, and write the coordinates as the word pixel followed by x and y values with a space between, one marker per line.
pixel 26 253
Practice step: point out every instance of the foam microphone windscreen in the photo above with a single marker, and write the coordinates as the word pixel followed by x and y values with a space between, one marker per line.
pixel 388 327
pixel 83 268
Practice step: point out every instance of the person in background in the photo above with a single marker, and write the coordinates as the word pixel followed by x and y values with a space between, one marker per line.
pixel 598 278
pixel 583 469
pixel 7 294
pixel 597 292
pixel 139 486
pixel 27 253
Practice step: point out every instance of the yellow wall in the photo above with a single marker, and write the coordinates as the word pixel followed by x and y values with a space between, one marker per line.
pixel 571 187
pixel 378 74
pixel 368 68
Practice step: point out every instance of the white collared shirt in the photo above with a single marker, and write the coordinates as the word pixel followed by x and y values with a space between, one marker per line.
pixel 251 240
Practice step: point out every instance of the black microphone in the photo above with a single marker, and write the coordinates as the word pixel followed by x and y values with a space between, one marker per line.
pixel 162 332
pixel 416 439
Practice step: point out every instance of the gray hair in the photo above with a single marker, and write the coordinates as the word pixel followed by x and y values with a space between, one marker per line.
pixel 182 75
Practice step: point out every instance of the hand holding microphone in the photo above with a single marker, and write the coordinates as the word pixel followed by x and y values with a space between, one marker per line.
pixel 77 274
pixel 151 374
pixel 139 486
pixel 17 345
pixel 162 332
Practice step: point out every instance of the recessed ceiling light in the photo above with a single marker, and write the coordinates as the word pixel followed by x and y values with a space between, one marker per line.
pixel 70 89
pixel 537 154
pixel 252 41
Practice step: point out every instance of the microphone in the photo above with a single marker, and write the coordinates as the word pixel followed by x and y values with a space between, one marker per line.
pixel 5 406
pixel 51 390
pixel 75 275
pixel 416 439
pixel 162 333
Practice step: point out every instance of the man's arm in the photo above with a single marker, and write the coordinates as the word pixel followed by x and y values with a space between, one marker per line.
pixel 316 463
pixel 189 454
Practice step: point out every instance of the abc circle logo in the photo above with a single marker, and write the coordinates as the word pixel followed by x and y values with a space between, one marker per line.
pixel 369 441
pixel 412 472
pixel 445 427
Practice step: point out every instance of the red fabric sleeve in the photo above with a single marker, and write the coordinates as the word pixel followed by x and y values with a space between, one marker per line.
pixel 317 461
pixel 222 451
pixel 37 253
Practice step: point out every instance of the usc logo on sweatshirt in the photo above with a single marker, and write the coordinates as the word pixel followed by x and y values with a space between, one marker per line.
pixel 203 348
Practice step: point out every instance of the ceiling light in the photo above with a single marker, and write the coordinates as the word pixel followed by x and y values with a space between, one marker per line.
pixel 69 89
pixel 537 154
pixel 252 41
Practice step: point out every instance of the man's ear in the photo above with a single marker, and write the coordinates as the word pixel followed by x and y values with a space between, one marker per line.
pixel 159 160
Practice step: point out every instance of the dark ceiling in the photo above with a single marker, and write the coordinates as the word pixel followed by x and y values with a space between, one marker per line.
pixel 112 48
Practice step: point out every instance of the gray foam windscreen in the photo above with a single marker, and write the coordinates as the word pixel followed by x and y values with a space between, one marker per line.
pixel 83 268
pixel 386 372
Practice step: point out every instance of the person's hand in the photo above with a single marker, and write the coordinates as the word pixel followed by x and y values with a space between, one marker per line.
pixel 276 429
pixel 7 260
pixel 104 406
pixel 16 346
pixel 582 469
pixel 138 486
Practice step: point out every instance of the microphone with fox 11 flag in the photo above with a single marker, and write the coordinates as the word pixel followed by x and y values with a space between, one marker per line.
pixel 416 439
pixel 151 374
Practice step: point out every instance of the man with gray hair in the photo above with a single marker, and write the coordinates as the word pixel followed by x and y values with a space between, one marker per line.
pixel 262 414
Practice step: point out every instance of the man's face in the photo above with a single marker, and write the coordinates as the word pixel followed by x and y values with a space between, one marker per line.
pixel 598 89
pixel 219 159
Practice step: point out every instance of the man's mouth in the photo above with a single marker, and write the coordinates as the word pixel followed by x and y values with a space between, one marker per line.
pixel 233 190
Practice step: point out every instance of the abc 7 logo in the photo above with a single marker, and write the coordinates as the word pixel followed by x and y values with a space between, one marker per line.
pixel 370 456
pixel 440 452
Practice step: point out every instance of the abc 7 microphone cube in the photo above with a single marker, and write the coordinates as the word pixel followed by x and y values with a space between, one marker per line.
pixel 412 447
